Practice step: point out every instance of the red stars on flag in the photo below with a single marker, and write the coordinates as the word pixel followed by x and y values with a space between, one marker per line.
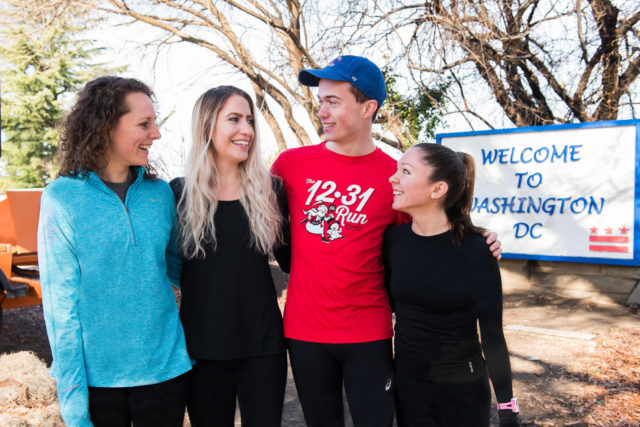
pixel 609 239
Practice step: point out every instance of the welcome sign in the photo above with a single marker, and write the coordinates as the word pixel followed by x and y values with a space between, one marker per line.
pixel 561 192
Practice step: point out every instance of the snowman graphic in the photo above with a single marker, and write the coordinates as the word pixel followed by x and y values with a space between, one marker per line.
pixel 318 217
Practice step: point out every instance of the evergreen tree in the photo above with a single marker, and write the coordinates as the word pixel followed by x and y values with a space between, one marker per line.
pixel 40 69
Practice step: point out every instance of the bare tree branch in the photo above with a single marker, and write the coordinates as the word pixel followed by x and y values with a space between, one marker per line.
pixel 520 50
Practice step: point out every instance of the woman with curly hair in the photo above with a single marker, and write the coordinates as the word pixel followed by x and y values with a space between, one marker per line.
pixel 231 213
pixel 108 254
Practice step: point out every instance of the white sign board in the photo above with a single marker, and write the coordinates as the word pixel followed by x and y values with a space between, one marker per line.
pixel 561 192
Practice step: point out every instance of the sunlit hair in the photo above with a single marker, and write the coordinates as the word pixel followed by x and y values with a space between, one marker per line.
pixel 198 203
pixel 84 133
pixel 458 170
pixel 361 98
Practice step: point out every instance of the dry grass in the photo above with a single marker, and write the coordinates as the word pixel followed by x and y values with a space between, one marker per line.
pixel 613 398
pixel 27 392
pixel 603 388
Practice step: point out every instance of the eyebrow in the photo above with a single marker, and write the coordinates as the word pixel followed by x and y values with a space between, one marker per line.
pixel 233 113
pixel 330 97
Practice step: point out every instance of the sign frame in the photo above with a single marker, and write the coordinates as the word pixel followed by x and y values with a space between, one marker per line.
pixel 635 260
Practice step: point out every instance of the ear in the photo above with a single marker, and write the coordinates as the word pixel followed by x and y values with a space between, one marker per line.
pixel 439 190
pixel 370 107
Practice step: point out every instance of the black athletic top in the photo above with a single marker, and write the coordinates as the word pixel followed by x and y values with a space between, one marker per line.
pixel 439 290
pixel 229 308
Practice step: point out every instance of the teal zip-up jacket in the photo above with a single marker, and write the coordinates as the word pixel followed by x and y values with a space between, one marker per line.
pixel 106 270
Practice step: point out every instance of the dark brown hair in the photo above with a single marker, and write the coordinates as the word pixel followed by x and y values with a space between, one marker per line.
pixel 362 98
pixel 458 170
pixel 84 133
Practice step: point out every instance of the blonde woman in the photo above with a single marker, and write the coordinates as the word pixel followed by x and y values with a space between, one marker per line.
pixel 231 216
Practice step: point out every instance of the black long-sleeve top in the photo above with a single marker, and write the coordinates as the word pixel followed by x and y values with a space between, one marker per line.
pixel 440 291
pixel 229 307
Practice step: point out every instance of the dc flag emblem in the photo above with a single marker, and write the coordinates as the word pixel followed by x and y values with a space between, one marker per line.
pixel 609 239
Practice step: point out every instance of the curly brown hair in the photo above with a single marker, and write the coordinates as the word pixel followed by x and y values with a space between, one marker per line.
pixel 84 133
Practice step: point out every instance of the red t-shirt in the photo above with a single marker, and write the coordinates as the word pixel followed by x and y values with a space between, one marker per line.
pixel 339 208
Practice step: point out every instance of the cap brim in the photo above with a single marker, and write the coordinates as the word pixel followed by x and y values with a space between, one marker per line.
pixel 312 77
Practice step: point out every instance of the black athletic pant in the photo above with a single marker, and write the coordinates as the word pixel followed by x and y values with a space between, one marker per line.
pixel 258 383
pixel 428 404
pixel 154 405
pixel 319 371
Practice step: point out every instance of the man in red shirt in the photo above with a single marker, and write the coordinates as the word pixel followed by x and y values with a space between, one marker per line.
pixel 337 318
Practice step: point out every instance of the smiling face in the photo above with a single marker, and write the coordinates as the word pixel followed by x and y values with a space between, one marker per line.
pixel 343 118
pixel 133 135
pixel 412 185
pixel 234 131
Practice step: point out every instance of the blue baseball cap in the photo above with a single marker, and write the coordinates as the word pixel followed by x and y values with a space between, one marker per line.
pixel 357 70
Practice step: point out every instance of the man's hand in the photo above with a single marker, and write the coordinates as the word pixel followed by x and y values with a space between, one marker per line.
pixel 494 244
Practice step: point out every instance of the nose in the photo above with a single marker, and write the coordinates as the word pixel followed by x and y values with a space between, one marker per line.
pixel 323 112
pixel 247 129
pixel 155 132
pixel 393 179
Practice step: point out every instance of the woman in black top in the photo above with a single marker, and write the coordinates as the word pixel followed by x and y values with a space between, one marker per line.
pixel 442 282
pixel 231 215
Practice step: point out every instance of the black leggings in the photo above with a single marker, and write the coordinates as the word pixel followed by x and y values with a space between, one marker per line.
pixel 427 404
pixel 154 405
pixel 258 383
pixel 319 371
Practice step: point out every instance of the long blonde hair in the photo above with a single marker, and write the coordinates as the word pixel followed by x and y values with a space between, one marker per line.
pixel 198 202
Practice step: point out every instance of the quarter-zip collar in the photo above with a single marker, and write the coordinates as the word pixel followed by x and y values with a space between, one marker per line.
pixel 94 180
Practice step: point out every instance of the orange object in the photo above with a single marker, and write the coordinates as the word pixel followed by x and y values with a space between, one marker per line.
pixel 19 211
